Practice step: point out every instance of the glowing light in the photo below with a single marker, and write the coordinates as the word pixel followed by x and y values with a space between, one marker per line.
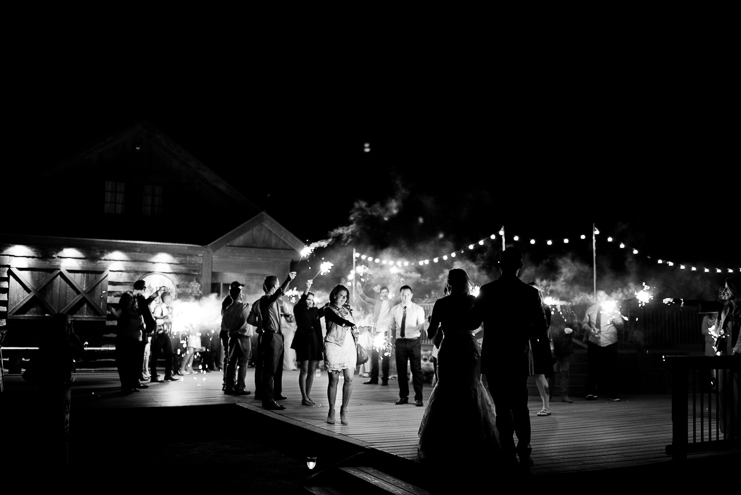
pixel 532 241
pixel 670 263
pixel 481 243
pixel 445 257
pixel 71 253
pixel 362 257
pixel 470 246
pixel 583 236
pixel 452 255
pixel 406 263
pixel 730 271
pixel 501 232
pixel 609 239
pixel 427 262
pixel 552 301
pixel 162 258
pixel 565 241
pixel 356 253
pixel 549 242
pixel 644 295
pixel 718 270
pixel 324 268
pixel 596 231
pixel 707 270
pixel 306 251
pixel 492 237
pixel 681 267
pixel 435 259
pixel 661 261
pixel 475 290
pixel 622 246
pixel 635 251
pixel 377 260
pixel 421 263
pixel 383 262
pixel 694 269
pixel 516 238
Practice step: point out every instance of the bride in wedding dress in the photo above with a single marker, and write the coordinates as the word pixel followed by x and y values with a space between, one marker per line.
pixel 458 427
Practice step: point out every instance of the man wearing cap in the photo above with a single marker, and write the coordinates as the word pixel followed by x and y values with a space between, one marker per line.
pixel 512 314
pixel 234 323
pixel 270 347
pixel 224 333
pixel 150 325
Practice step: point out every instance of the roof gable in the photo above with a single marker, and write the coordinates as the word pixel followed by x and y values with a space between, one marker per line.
pixel 156 138
pixel 261 231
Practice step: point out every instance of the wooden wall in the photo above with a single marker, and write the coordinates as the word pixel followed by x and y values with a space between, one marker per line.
pixel 43 276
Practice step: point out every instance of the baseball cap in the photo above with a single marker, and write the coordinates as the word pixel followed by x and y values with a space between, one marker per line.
pixel 236 285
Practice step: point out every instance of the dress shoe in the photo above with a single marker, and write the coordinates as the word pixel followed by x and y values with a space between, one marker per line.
pixel 280 397
pixel 273 406
pixel 566 398
pixel 156 379
pixel 419 403
pixel 404 400
pixel 370 382
pixel 591 396
pixel 142 385
pixel 172 379
pixel 229 391
pixel 242 392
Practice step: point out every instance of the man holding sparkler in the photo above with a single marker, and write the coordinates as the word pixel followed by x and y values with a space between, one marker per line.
pixel 381 312
pixel 602 322
pixel 270 348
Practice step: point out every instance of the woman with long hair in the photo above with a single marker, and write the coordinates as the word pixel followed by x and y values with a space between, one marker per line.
pixel 128 342
pixel 307 342
pixel 339 349
pixel 459 424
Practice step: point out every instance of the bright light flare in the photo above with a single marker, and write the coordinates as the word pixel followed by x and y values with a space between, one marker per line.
pixel 644 295
pixel 305 252
pixel 475 290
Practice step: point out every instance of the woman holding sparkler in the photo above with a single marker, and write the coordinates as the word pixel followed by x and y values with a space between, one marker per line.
pixel 542 360
pixel 307 342
pixel 727 342
pixel 339 349
pixel 459 424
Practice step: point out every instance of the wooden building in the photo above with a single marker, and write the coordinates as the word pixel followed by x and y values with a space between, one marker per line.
pixel 134 206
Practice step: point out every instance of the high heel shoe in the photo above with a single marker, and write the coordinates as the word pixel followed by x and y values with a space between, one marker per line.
pixel 330 417
pixel 343 418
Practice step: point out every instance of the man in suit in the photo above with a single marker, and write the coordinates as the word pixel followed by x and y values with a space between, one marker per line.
pixel 150 325
pixel 407 323
pixel 381 312
pixel 512 314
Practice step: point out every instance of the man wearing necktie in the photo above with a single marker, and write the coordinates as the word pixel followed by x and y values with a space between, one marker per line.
pixel 407 322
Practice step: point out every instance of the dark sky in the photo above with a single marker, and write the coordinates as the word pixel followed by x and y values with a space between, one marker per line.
pixel 642 143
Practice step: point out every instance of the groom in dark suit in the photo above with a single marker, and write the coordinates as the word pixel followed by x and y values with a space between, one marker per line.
pixel 512 314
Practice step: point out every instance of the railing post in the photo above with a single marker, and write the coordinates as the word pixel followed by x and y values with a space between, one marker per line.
pixel 680 409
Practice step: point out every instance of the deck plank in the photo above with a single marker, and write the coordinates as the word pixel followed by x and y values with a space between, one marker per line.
pixel 585 435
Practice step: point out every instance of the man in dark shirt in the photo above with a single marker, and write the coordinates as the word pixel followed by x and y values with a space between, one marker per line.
pixel 512 314
pixel 150 325
pixel 270 347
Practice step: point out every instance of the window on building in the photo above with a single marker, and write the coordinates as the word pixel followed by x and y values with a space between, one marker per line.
pixel 115 197
pixel 152 201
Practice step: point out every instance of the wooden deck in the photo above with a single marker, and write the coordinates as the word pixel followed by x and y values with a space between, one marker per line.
pixel 585 435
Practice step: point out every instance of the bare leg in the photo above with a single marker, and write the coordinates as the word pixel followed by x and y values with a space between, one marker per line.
pixel 346 393
pixel 544 392
pixel 302 369
pixel 334 377
pixel 310 379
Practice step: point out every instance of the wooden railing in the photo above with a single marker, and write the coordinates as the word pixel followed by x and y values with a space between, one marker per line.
pixel 705 414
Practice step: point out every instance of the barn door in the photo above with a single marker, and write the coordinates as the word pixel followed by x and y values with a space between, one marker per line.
pixel 35 292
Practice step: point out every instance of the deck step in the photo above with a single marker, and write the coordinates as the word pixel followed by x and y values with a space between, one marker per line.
pixel 363 479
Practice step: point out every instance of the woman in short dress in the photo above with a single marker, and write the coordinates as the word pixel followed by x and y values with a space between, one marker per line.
pixel 307 342
pixel 339 350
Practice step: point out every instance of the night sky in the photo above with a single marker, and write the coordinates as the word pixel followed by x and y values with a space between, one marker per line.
pixel 642 146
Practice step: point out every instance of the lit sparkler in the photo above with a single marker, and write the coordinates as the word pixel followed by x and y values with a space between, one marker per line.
pixel 475 290
pixel 611 309
pixel 324 268
pixel 552 301
pixel 644 295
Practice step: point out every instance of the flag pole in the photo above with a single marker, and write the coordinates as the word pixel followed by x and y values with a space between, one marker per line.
pixel 594 258
pixel 354 275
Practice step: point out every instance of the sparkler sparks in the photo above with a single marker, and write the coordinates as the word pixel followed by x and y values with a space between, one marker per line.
pixel 324 268
pixel 644 295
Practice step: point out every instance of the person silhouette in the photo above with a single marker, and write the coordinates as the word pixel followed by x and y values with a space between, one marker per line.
pixel 512 314
pixel 459 397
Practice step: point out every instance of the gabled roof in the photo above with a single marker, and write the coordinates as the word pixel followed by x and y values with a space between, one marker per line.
pixel 166 145
pixel 261 220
